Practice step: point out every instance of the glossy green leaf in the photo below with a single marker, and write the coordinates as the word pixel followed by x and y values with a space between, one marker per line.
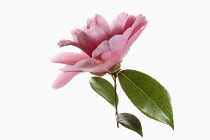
pixel 104 88
pixel 130 121
pixel 148 95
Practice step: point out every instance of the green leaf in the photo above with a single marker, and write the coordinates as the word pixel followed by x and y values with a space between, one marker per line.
pixel 148 95
pixel 104 88
pixel 130 121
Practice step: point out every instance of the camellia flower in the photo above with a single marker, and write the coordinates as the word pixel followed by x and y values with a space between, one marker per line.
pixel 103 46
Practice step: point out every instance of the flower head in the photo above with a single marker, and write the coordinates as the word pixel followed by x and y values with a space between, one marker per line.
pixel 103 46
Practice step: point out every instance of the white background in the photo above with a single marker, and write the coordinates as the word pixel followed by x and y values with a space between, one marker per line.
pixel 174 49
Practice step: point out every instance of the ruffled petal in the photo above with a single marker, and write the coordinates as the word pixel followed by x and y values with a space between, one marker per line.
pixel 69 58
pixel 111 49
pixel 97 35
pixel 110 52
pixel 63 79
pixel 129 22
pixel 116 53
pixel 101 22
pixel 90 22
pixel 118 24
pixel 139 23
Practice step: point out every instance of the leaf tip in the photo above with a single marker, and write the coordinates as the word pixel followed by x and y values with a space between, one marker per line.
pixel 172 125
pixel 130 121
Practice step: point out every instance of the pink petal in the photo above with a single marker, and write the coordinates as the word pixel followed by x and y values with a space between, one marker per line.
pixel 128 32
pixel 111 51
pixel 117 43
pixel 63 79
pixel 86 44
pixel 138 24
pixel 75 33
pixel 99 21
pixel 69 58
pixel 91 25
pixel 107 65
pixel 133 32
pixel 90 21
pixel 132 40
pixel 118 24
pixel 97 35
pixel 116 52
pixel 63 43
pixel 103 47
pixel 129 22
pixel 84 65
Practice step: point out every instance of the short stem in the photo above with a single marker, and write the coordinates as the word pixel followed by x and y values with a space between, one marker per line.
pixel 114 75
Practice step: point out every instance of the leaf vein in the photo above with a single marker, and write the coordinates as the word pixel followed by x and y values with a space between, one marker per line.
pixel 146 95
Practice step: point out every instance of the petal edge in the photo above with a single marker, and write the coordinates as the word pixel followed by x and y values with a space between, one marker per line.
pixel 63 79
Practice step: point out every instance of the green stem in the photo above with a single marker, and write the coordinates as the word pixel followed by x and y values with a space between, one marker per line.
pixel 115 95
pixel 114 76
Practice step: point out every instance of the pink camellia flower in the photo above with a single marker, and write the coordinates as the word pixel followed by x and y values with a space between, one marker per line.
pixel 103 46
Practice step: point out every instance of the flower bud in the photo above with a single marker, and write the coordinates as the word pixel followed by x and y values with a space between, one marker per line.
pixel 115 68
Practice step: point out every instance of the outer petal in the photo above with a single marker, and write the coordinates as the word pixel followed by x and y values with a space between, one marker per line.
pixel 63 43
pixel 118 24
pixel 97 35
pixel 84 43
pixel 117 43
pixel 128 33
pixel 133 39
pixel 86 65
pixel 133 32
pixel 69 58
pixel 139 23
pixel 63 79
